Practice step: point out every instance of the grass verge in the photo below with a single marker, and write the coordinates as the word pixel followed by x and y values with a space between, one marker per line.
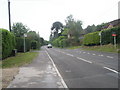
pixel 103 48
pixel 74 47
pixel 10 66
pixel 19 60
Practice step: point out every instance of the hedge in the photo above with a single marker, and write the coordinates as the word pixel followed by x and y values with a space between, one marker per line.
pixel 106 35
pixel 35 45
pixel 8 43
pixel 92 38
pixel 20 44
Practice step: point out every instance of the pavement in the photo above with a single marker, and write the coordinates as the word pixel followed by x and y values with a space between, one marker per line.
pixel 41 73
pixel 65 68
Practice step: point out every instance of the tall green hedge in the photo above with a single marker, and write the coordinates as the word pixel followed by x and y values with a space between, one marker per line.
pixel 92 39
pixel 106 35
pixel 60 42
pixel 8 43
pixel 35 45
pixel 20 44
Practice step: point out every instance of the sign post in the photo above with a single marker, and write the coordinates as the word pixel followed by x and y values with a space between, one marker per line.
pixel 100 39
pixel 24 43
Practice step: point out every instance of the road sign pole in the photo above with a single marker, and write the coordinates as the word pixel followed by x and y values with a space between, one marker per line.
pixel 25 35
pixel 115 41
pixel 24 44
pixel 100 39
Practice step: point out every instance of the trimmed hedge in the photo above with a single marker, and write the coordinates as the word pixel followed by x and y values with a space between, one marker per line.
pixel 92 39
pixel 20 44
pixel 8 43
pixel 107 37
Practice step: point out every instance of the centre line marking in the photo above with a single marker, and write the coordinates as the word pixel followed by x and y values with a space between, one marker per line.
pixel 62 81
pixel 84 60
pixel 94 54
pixel 100 55
pixel 111 70
pixel 70 55
pixel 109 57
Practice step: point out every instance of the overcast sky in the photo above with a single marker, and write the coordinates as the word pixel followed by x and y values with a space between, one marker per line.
pixel 39 15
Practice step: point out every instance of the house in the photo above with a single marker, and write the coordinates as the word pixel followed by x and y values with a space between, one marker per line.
pixel 112 24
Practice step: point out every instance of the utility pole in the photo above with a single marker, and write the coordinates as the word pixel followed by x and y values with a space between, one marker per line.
pixel 9 15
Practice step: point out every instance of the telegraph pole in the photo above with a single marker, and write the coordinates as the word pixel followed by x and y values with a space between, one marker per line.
pixel 9 15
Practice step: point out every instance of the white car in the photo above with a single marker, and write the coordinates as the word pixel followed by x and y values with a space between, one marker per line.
pixel 49 46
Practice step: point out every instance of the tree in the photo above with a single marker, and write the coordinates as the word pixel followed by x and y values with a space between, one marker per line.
pixel 74 28
pixel 90 29
pixel 56 29
pixel 19 29
pixel 32 35
pixel 101 26
pixel 36 40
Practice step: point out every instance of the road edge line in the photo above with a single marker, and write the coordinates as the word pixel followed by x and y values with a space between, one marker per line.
pixel 62 81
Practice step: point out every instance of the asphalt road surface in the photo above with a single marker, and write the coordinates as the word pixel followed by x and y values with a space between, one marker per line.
pixel 85 69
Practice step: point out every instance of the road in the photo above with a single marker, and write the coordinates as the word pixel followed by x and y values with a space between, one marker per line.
pixel 85 69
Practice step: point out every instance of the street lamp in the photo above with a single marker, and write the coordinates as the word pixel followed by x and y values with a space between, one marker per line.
pixel 25 35
pixel 9 15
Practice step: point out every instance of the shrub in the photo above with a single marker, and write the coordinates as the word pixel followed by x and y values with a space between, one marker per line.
pixel 60 42
pixel 8 43
pixel 92 38
pixel 34 44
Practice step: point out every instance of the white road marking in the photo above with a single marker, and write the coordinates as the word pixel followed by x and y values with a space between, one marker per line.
pixel 63 52
pixel 93 54
pixel 109 57
pixel 111 70
pixel 62 81
pixel 84 60
pixel 88 53
pixel 70 55
pixel 100 55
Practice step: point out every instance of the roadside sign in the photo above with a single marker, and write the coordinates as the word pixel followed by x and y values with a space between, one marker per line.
pixel 114 34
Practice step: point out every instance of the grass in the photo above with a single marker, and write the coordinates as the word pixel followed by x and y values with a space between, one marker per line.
pixel 74 47
pixel 19 60
pixel 103 48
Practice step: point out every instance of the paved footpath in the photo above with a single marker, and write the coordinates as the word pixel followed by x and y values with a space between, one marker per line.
pixel 41 73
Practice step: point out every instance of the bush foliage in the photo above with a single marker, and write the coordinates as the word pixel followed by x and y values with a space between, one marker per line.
pixel 60 42
pixel 35 45
pixel 8 43
pixel 92 39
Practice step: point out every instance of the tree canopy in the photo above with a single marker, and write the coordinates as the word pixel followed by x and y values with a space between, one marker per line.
pixel 56 29
pixel 19 29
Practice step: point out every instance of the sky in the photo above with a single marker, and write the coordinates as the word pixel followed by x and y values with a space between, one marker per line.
pixel 39 15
